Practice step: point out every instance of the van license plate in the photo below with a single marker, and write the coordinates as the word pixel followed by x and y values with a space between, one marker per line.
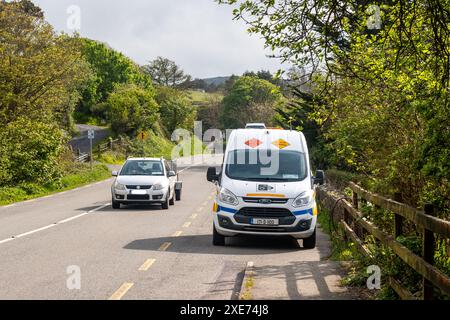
pixel 265 222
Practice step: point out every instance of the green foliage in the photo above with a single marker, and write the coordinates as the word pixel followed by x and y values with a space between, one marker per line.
pixel 40 70
pixel 29 152
pixel 109 68
pixel 176 109
pixel 81 176
pixel 131 108
pixel 250 99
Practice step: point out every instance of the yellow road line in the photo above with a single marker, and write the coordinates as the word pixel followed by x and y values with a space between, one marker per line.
pixel 200 209
pixel 194 216
pixel 165 246
pixel 187 225
pixel 177 234
pixel 121 291
pixel 147 264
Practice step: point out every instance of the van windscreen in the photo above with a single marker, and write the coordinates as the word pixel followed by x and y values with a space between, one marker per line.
pixel 266 165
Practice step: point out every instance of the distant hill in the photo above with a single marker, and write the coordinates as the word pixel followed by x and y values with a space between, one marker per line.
pixel 217 81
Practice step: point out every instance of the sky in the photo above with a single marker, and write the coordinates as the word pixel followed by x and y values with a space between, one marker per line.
pixel 199 35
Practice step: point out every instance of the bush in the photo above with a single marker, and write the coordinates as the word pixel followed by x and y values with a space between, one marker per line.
pixel 131 108
pixel 29 152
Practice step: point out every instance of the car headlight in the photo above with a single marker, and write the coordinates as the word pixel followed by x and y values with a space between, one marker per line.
pixel 303 200
pixel 158 187
pixel 227 196
pixel 119 186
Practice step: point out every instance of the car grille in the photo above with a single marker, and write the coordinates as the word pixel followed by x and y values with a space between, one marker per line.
pixel 138 197
pixel 140 187
pixel 265 212
pixel 265 200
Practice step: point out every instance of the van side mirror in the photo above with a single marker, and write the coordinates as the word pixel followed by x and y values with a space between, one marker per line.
pixel 115 173
pixel 212 175
pixel 320 177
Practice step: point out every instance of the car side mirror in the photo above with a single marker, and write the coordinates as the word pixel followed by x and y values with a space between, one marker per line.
pixel 171 174
pixel 320 177
pixel 212 175
pixel 115 173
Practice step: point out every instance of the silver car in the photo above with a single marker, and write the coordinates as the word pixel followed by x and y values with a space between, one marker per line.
pixel 146 181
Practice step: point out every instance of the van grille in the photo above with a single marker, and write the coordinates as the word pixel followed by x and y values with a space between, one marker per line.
pixel 265 212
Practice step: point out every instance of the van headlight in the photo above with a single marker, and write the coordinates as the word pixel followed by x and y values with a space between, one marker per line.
pixel 303 200
pixel 119 186
pixel 158 187
pixel 227 196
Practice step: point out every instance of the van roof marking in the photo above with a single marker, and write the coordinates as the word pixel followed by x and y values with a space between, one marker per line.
pixel 281 144
pixel 253 143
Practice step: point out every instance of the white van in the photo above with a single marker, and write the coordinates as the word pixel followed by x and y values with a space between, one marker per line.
pixel 265 187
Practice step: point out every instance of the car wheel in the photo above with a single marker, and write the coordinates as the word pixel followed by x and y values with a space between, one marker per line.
pixel 165 204
pixel 310 243
pixel 115 204
pixel 218 239
pixel 178 195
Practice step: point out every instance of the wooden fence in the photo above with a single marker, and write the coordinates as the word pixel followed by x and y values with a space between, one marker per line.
pixel 103 147
pixel 356 226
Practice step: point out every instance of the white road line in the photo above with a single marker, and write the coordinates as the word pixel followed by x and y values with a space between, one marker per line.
pixel 34 231
pixel 54 224
pixel 100 208
pixel 6 240
pixel 72 218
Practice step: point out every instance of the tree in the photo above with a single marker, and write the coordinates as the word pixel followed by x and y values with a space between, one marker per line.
pixel 40 71
pixel 176 109
pixel 131 108
pixel 165 72
pixel 109 68
pixel 250 100
pixel 29 152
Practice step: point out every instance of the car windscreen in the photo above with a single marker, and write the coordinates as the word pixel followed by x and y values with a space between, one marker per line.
pixel 142 168
pixel 266 165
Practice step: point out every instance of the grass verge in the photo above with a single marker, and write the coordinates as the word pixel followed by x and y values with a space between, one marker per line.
pixel 28 191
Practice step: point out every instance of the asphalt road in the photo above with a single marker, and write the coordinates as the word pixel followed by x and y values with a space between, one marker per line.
pixel 134 253
pixel 82 142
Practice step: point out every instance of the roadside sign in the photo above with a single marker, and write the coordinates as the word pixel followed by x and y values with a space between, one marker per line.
pixel 142 136
pixel 91 134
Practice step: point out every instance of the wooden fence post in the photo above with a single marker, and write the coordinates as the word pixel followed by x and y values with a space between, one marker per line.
pixel 398 219
pixel 99 150
pixel 111 144
pixel 428 253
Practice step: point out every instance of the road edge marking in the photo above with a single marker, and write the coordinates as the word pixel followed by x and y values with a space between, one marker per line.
pixel 54 224
pixel 122 291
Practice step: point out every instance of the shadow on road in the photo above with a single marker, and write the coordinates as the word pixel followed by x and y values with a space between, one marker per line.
pixel 301 280
pixel 202 244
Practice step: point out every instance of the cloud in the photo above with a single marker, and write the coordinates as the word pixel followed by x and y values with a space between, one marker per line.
pixel 199 35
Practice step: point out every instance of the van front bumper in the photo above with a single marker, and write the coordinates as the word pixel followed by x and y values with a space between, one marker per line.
pixel 227 226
